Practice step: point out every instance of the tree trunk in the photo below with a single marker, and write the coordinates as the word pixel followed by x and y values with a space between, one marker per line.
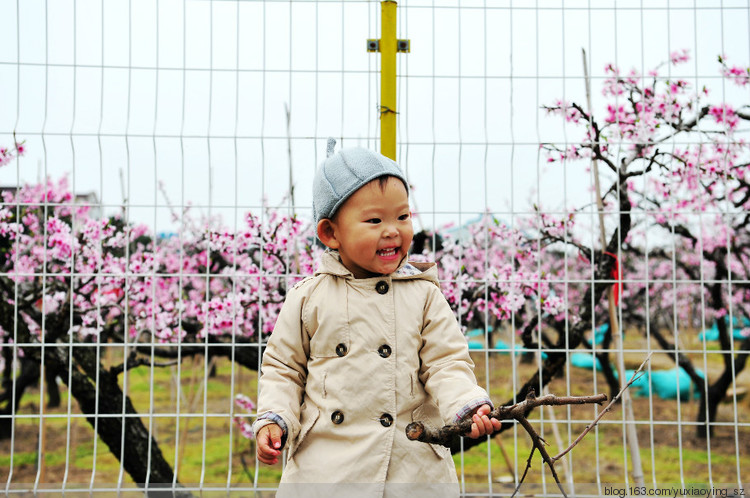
pixel 733 365
pixel 125 435
pixel 28 377
pixel 50 380
pixel 609 374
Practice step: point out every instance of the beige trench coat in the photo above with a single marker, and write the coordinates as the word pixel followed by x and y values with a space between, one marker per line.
pixel 351 362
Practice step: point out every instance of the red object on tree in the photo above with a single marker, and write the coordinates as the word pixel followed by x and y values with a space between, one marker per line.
pixel 615 274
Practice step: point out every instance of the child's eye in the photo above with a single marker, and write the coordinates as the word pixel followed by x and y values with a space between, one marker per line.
pixel 404 217
pixel 374 221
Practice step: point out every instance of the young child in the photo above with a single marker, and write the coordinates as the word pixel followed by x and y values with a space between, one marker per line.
pixel 365 346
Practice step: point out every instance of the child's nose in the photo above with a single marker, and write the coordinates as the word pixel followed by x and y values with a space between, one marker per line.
pixel 390 230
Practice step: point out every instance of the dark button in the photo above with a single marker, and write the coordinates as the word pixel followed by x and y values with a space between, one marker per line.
pixel 381 287
pixel 384 350
pixel 386 420
pixel 337 417
pixel 341 349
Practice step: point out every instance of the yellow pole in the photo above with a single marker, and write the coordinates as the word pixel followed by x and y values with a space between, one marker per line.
pixel 388 79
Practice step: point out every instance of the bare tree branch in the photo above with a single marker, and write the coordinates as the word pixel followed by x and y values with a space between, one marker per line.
pixel 418 431
pixel 138 361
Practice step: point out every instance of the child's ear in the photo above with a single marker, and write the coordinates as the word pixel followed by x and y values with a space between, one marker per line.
pixel 327 233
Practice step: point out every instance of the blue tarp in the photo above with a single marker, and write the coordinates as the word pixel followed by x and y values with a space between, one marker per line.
pixel 476 341
pixel 712 334
pixel 663 382
pixel 585 361
pixel 600 332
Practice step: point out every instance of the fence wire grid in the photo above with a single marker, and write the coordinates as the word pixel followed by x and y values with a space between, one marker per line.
pixel 579 170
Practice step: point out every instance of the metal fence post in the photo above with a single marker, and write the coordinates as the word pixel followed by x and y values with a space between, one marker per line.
pixel 388 46
pixel 388 79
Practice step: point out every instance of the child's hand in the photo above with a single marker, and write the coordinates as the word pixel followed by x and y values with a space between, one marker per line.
pixel 268 444
pixel 483 425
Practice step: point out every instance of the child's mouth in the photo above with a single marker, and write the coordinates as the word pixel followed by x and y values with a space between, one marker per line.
pixel 388 253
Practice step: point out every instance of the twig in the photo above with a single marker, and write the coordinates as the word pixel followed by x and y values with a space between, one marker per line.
pixel 636 375
pixel 539 443
pixel 246 467
pixel 420 432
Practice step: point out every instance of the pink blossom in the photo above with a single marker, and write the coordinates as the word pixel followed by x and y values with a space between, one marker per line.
pixel 679 56
pixel 736 74
pixel 244 402
pixel 724 113
pixel 246 429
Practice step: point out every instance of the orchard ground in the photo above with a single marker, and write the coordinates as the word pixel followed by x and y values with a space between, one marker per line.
pixel 670 450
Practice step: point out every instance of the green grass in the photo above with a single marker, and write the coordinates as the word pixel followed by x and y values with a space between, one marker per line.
pixel 663 466
pixel 212 463
pixel 20 458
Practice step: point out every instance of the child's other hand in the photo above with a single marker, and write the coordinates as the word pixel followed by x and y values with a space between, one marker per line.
pixel 483 425
pixel 268 443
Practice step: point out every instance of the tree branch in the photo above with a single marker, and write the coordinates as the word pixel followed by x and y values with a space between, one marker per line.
pixel 134 362
pixel 418 431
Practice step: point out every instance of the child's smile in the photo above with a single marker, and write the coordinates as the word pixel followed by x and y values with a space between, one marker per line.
pixel 388 254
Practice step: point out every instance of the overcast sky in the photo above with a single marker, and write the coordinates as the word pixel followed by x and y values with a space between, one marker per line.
pixel 194 94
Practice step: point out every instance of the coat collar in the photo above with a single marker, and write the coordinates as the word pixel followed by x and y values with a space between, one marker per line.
pixel 330 264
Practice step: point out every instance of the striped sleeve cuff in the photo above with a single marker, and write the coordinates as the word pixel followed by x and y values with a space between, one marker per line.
pixel 270 418
pixel 470 407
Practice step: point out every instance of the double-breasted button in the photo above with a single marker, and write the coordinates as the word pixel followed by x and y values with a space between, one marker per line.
pixel 384 351
pixel 341 349
pixel 386 420
pixel 381 287
pixel 337 417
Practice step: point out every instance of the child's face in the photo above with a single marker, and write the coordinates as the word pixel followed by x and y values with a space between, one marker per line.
pixel 372 230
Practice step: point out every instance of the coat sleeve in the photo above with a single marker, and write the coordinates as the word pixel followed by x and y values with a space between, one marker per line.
pixel 446 369
pixel 284 369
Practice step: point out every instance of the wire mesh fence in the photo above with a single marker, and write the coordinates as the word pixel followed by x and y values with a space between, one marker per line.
pixel 578 169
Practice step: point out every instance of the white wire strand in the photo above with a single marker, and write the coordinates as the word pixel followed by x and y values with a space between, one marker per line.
pixel 232 370
pixel 486 354
pixel 734 400
pixel 459 286
pixel 95 443
pixel 14 357
pixel 125 354
pixel 177 377
pixel 729 305
pixel 206 363
pixel 537 106
pixel 262 217
pixel 72 277
pixel 40 452
pixel 675 335
pixel 568 390
pixel 621 366
pixel 647 296
pixel 511 116
pixel 403 102
pixel 594 220
pixel 370 76
pixel 151 428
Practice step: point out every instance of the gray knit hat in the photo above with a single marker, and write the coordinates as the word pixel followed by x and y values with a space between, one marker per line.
pixel 343 173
